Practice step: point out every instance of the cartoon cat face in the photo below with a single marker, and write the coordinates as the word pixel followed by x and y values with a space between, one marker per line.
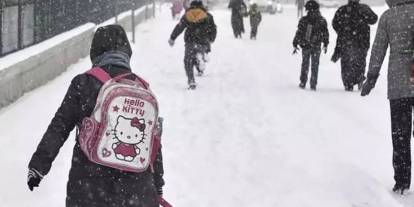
pixel 130 131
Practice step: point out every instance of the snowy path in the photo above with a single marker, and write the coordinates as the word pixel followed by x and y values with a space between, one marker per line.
pixel 246 137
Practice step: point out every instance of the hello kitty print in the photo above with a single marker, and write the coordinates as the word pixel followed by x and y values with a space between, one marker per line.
pixel 129 134
pixel 127 140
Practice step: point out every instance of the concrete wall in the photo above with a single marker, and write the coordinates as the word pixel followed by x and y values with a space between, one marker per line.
pixel 41 66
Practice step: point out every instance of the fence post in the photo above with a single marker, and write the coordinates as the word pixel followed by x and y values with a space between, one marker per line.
pixel 146 10
pixel 133 21
pixel 153 8
pixel 19 25
pixel 1 27
pixel 116 11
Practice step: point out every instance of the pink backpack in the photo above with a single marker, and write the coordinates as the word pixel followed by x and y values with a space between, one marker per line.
pixel 122 131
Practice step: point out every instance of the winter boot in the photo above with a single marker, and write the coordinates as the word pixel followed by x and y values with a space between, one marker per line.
pixel 192 84
pixel 313 88
pixel 302 85
pixel 400 189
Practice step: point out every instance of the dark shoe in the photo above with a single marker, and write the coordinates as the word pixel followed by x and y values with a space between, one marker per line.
pixel 349 88
pixel 302 85
pixel 335 57
pixel 400 189
pixel 313 88
pixel 192 84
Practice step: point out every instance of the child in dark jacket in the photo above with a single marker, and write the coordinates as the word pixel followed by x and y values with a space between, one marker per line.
pixel 312 32
pixel 200 33
pixel 90 184
pixel 255 19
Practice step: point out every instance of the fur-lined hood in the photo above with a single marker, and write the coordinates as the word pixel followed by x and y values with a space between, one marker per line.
pixel 393 3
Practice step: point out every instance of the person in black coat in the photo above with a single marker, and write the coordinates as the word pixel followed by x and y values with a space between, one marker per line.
pixel 351 23
pixel 90 184
pixel 238 11
pixel 255 19
pixel 312 32
pixel 200 32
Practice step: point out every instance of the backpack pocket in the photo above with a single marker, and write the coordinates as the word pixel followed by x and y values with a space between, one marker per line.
pixel 88 135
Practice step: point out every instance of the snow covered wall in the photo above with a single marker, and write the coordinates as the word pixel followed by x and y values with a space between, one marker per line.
pixel 32 67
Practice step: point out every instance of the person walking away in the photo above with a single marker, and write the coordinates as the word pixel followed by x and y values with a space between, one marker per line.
pixel 238 11
pixel 200 32
pixel 351 23
pixel 300 4
pixel 395 30
pixel 91 184
pixel 255 19
pixel 311 33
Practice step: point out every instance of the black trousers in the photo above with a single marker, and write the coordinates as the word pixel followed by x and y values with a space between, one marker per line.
pixel 191 60
pixel 253 32
pixel 307 56
pixel 401 125
pixel 353 63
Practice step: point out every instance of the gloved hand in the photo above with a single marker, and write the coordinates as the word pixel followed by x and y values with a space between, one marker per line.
pixel 171 42
pixel 368 85
pixel 33 178
pixel 295 49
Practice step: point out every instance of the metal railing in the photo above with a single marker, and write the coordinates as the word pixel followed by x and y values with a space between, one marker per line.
pixel 27 22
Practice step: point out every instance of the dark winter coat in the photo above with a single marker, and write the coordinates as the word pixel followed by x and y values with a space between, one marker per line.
pixel 255 17
pixel 238 11
pixel 312 32
pixel 351 23
pixel 396 30
pixel 199 25
pixel 90 184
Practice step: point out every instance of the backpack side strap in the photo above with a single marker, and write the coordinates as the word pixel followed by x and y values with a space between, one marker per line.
pixel 163 202
pixel 99 74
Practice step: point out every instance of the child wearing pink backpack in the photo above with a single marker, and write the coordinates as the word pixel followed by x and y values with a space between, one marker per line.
pixel 117 158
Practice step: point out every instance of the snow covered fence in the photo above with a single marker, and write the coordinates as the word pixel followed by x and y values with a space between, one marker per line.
pixel 141 15
pixel 34 66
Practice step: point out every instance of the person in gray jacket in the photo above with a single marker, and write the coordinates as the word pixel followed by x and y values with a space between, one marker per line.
pixel 396 28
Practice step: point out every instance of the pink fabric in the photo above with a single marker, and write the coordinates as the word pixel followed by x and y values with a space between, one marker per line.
pixel 412 70
pixel 125 150
pixel 163 202
pixel 177 7
pixel 100 74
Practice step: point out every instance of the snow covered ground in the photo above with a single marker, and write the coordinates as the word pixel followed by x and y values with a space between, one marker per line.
pixel 248 136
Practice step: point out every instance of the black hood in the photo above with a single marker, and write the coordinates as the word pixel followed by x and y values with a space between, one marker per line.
pixel 109 38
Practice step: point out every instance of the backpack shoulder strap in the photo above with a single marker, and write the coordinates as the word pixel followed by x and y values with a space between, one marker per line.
pixel 143 82
pixel 137 79
pixel 99 74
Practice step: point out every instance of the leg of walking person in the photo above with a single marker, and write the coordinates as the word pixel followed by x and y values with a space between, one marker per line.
pixel 360 66
pixel 401 124
pixel 189 62
pixel 306 53
pixel 346 69
pixel 315 56
pixel 253 32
